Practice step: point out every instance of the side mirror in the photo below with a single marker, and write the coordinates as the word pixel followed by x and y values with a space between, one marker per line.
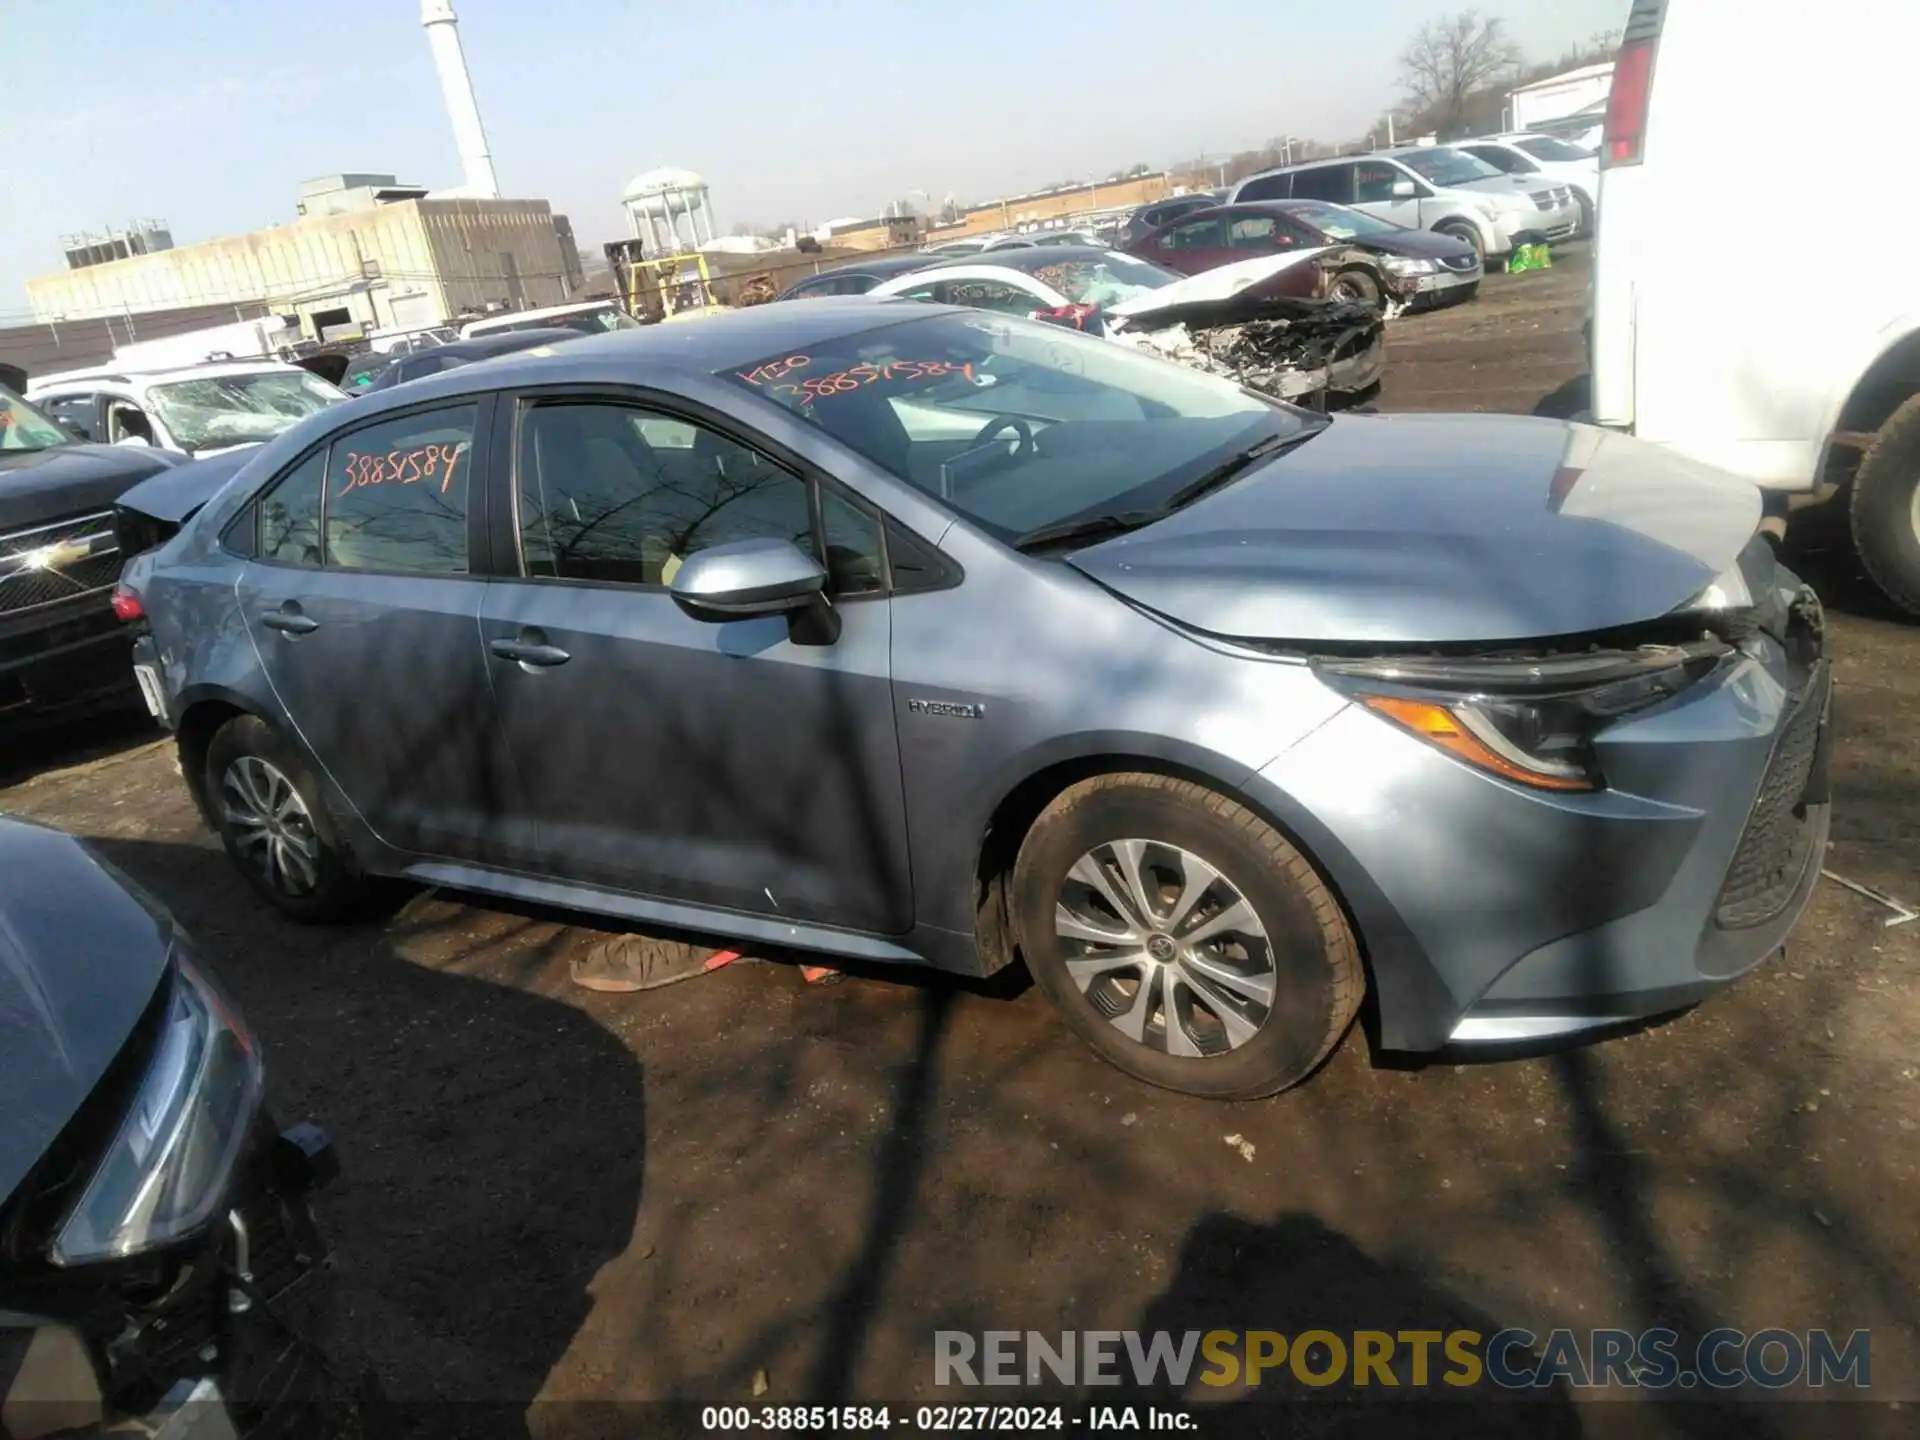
pixel 748 578
pixel 1403 190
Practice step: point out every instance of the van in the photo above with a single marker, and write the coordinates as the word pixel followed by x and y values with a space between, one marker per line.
pixel 1432 187
pixel 1781 343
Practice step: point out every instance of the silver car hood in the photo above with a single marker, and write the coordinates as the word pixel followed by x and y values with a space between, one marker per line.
pixel 1430 529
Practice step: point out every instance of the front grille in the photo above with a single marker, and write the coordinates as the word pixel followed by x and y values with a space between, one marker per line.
pixel 1772 855
pixel 1462 263
pixel 1550 199
pixel 51 563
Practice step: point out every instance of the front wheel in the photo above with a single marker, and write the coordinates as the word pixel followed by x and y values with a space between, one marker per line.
pixel 1467 234
pixel 1885 508
pixel 1355 286
pixel 268 809
pixel 1183 937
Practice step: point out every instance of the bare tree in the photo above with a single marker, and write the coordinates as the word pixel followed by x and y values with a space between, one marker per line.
pixel 1452 57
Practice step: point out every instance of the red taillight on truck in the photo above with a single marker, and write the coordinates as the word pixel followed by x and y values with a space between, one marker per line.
pixel 126 604
pixel 1625 137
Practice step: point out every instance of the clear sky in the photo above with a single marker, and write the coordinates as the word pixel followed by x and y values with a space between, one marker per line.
pixel 208 113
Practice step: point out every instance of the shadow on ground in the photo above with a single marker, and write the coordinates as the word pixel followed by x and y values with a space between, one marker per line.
pixel 492 1146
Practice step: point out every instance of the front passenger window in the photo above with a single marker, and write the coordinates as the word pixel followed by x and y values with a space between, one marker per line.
pixel 606 494
pixel 1376 183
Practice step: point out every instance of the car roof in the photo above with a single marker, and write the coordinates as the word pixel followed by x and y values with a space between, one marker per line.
pixel 733 338
pixel 886 265
pixel 480 346
pixel 577 307
pixel 207 371
pixel 1028 258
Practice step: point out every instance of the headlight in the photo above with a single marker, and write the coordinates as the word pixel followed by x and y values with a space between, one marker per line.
pixel 168 1169
pixel 1729 591
pixel 1406 265
pixel 1530 721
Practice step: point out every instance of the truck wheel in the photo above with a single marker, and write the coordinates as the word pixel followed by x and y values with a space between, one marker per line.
pixel 1885 509
pixel 1183 938
pixel 271 818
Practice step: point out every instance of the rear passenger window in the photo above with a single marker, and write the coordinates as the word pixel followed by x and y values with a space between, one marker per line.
pixel 289 531
pixel 397 494
pixel 1330 182
pixel 1268 187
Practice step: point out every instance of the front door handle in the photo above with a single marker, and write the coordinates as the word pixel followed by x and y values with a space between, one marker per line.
pixel 289 622
pixel 529 652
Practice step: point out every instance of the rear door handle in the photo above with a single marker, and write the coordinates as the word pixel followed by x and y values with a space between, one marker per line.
pixel 290 622
pixel 529 652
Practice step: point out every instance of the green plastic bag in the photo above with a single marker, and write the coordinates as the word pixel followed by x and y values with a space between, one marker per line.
pixel 1529 257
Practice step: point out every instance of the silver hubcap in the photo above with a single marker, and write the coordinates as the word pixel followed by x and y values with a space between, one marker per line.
pixel 1166 948
pixel 270 824
pixel 1913 508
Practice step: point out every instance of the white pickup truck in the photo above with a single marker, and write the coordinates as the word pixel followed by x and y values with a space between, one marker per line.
pixel 1755 303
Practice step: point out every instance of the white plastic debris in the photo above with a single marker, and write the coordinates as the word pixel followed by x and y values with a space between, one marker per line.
pixel 1243 1145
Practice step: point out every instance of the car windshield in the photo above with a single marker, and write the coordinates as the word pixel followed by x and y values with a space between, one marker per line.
pixel 220 410
pixel 1545 147
pixel 1442 166
pixel 1110 280
pixel 24 428
pixel 1342 223
pixel 1015 424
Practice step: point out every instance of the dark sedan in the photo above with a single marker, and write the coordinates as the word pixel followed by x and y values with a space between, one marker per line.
pixel 1391 260
pixel 858 277
pixel 158 1256
pixel 463 352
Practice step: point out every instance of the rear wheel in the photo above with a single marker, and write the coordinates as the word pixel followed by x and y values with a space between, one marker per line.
pixel 1183 937
pixel 1585 231
pixel 267 808
pixel 1885 508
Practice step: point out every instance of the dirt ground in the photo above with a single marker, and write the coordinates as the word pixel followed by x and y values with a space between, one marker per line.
pixel 551 1195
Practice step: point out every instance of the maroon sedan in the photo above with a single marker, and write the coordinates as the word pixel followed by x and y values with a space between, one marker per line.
pixel 1383 259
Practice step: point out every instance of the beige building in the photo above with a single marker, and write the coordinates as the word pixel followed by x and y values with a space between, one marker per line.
pixel 1040 206
pixel 367 253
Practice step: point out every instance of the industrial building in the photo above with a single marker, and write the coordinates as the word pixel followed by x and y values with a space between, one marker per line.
pixel 365 252
pixel 368 252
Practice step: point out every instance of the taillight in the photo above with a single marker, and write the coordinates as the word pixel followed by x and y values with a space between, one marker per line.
pixel 1624 140
pixel 126 604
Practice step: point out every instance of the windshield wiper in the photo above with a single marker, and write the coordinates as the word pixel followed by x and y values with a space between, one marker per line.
pixel 1086 527
pixel 1219 475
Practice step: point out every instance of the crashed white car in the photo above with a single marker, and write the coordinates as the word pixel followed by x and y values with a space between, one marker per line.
pixel 198 409
pixel 1264 322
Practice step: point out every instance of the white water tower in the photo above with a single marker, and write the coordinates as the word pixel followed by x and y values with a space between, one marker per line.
pixel 669 210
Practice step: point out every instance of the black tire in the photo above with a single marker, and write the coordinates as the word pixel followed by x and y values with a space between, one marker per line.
pixel 1585 232
pixel 1883 511
pixel 1467 233
pixel 1317 978
pixel 338 891
pixel 1357 285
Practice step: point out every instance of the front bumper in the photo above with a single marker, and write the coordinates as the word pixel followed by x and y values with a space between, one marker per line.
pixel 1491 912
pixel 233 1345
pixel 1436 288
pixel 56 660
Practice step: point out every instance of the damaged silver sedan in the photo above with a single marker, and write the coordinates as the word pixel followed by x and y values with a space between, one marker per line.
pixel 1267 323
pixel 919 635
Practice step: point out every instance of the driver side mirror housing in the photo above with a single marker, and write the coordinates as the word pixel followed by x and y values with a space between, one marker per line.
pixel 1404 190
pixel 744 579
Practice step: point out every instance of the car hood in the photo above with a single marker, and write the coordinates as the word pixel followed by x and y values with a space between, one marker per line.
pixel 1431 529
pixel 38 487
pixel 1416 244
pixel 1215 284
pixel 174 495
pixel 1503 185
pixel 81 954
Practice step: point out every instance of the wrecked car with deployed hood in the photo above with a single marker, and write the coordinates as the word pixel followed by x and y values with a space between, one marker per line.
pixel 1266 321
pixel 160 1269
pixel 1194 699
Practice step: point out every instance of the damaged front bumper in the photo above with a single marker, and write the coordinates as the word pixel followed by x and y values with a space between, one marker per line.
pixel 222 1337
pixel 1292 349
pixel 1498 913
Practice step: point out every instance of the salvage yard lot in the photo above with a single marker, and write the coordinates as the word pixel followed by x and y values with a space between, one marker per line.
pixel 552 1195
